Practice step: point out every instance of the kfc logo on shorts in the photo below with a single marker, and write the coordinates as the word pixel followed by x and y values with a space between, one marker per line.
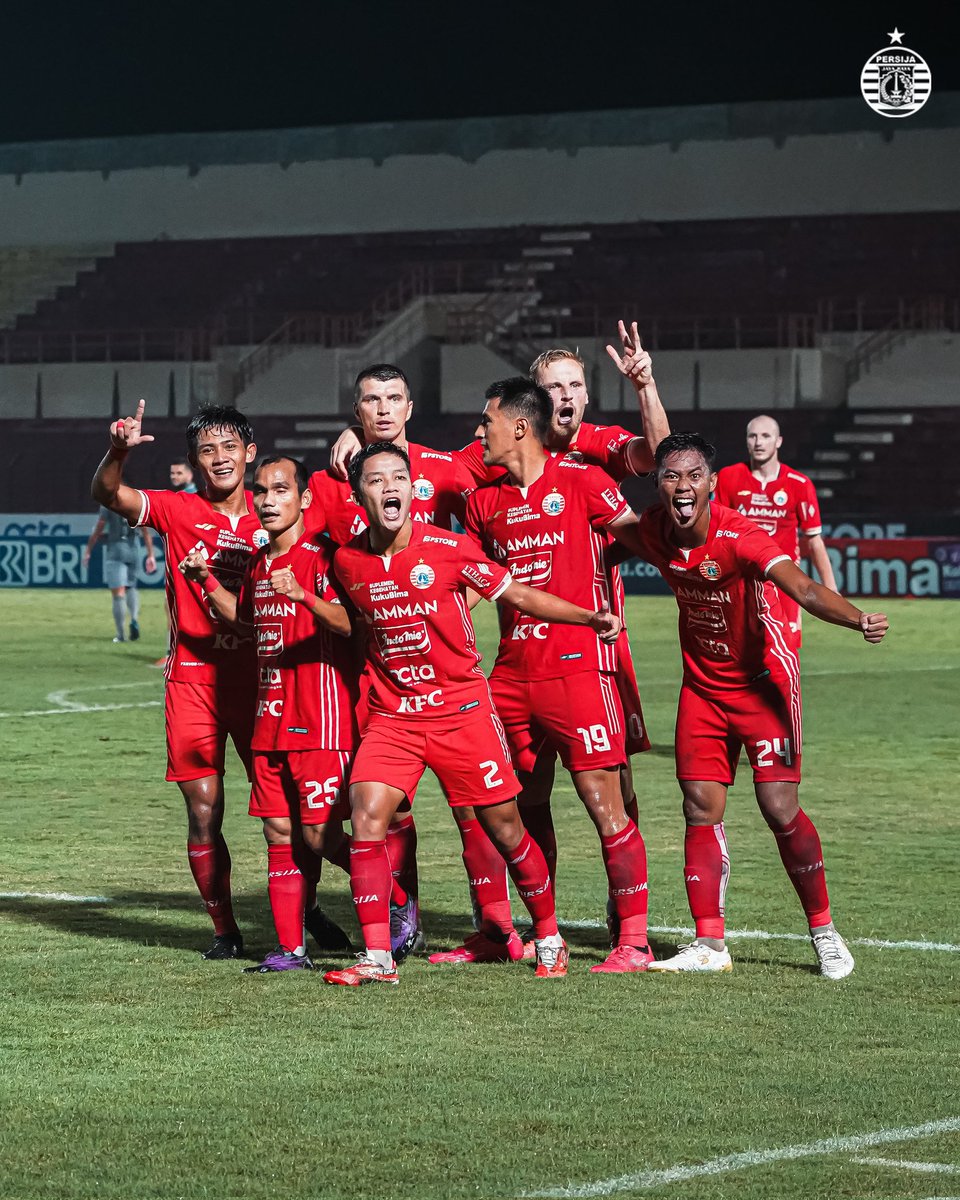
pixel 403 640
pixel 780 498
pixel 422 575
pixel 269 639
pixel 423 489
pixel 710 569
pixel 554 504
pixel 260 538
pixel 533 569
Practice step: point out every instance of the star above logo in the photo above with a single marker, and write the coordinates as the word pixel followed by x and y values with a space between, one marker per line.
pixel 896 36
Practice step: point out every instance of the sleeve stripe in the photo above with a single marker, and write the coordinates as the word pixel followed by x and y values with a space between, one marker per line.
pixel 144 510
pixel 811 532
pixel 628 457
pixel 501 587
pixel 773 562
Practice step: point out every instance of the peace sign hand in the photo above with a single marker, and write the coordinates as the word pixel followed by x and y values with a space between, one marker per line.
pixel 125 434
pixel 636 364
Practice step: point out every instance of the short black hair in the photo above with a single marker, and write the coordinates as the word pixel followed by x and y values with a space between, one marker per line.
pixel 521 397
pixel 355 467
pixel 299 470
pixel 675 443
pixel 382 372
pixel 181 462
pixel 218 416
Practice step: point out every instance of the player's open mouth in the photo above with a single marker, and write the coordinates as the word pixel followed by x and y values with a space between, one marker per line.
pixel 391 507
pixel 684 507
pixel 222 472
pixel 565 414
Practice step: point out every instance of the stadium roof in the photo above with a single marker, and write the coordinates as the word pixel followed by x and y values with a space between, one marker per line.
pixel 471 138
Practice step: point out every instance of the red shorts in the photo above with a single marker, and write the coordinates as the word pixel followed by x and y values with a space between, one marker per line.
pixel 635 730
pixel 470 759
pixel 198 718
pixel 764 719
pixel 311 783
pixel 580 715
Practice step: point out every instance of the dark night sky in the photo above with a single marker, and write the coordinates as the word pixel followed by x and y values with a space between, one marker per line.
pixel 90 68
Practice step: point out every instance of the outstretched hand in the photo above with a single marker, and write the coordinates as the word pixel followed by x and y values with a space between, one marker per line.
pixel 126 434
pixel 635 363
pixel 606 625
pixel 873 626
pixel 284 582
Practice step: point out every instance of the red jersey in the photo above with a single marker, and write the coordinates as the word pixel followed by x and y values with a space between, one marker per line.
pixel 732 629
pixel 439 480
pixel 601 445
pixel 421 650
pixel 785 507
pixel 550 535
pixel 307 693
pixel 203 648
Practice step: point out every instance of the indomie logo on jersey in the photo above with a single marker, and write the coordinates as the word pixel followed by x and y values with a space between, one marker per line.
pixel 554 504
pixel 532 569
pixel 422 575
pixel 707 616
pixel 269 639
pixel 423 489
pixel 403 640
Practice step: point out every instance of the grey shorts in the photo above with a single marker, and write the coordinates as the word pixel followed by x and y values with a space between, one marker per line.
pixel 118 574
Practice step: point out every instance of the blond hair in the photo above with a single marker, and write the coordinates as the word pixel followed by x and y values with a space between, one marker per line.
pixel 552 356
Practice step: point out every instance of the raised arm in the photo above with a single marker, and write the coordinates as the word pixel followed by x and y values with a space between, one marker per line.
pixel 547 607
pixel 108 487
pixel 344 448
pixel 194 567
pixel 331 616
pixel 820 602
pixel 636 365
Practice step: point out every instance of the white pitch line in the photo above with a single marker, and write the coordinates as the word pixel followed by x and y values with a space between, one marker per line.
pixel 85 708
pixel 66 897
pixel 903 1165
pixel 645 1180
pixel 762 935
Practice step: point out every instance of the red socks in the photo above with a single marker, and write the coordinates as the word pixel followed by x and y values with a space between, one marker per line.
pixel 402 852
pixel 528 870
pixel 538 821
pixel 287 889
pixel 625 858
pixel 370 883
pixel 799 846
pixel 706 872
pixel 487 873
pixel 210 866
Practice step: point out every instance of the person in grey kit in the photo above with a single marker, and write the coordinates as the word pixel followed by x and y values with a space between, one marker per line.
pixel 120 566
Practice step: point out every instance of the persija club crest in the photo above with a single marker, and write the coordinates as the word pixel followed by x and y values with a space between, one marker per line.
pixel 896 82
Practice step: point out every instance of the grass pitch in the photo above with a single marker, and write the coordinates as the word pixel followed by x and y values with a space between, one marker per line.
pixel 132 1069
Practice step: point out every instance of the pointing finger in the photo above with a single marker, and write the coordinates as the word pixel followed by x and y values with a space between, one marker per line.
pixel 616 357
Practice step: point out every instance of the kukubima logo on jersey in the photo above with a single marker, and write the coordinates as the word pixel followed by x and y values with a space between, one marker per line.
pixel 554 504
pixel 423 489
pixel 896 82
pixel 422 575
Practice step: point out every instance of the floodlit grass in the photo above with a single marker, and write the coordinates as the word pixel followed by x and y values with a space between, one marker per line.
pixel 132 1069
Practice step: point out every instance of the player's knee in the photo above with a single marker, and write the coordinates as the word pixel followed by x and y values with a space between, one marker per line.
pixel 702 804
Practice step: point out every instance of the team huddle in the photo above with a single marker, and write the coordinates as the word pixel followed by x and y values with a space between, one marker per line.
pixel 328 633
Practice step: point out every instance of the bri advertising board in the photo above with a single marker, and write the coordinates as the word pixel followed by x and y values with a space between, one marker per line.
pixel 46 550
